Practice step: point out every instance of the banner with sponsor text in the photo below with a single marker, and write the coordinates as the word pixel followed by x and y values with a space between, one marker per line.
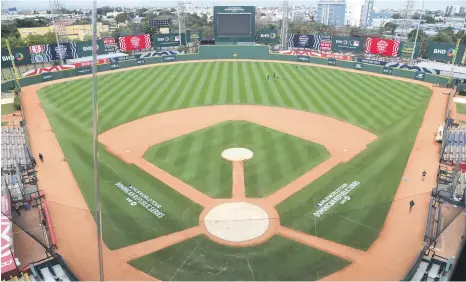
pixel 134 42
pixel 382 47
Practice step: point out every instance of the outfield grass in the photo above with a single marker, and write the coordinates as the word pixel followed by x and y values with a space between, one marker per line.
pixel 461 108
pixel 8 109
pixel 391 109
pixel 278 259
pixel 196 158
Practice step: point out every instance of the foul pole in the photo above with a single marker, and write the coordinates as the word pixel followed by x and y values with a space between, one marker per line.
pixel 95 137
pixel 450 76
pixel 14 65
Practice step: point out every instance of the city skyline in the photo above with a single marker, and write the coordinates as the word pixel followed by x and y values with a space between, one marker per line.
pixel 83 4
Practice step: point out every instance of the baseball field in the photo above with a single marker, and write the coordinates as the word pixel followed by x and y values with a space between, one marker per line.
pixel 329 151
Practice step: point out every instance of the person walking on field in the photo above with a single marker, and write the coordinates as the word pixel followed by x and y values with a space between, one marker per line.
pixel 424 173
pixel 41 157
pixel 411 205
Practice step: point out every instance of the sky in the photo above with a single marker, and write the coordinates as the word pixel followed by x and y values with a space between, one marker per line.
pixel 73 4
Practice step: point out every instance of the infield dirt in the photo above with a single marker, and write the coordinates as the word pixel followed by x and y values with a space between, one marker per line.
pixel 389 258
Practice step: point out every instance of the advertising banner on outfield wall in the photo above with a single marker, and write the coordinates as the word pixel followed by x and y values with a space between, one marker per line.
pixel 140 61
pixel 170 58
pixel 445 52
pixel 50 52
pixel 305 59
pixel 310 41
pixel 370 61
pixel 406 50
pixel 382 47
pixel 114 66
pixel 110 45
pixel 20 55
pixel 387 70
pixel 167 40
pixel 331 62
pixel 419 75
pixel 358 66
pixel 48 76
pixel 267 36
pixel 134 42
pixel 347 44
pixel 83 70
pixel 85 48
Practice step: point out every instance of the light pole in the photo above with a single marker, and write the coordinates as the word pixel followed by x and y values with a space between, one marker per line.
pixel 417 30
pixel 95 136
pixel 60 56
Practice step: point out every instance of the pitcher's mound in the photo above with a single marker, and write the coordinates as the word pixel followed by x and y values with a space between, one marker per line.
pixel 237 154
pixel 237 221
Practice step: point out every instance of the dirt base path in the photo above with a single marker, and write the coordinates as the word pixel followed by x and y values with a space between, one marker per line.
pixel 76 231
pixel 238 188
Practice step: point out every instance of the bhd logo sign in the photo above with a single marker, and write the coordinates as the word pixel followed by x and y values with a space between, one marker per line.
pixel 89 48
pixel 440 51
pixel 358 66
pixel 419 75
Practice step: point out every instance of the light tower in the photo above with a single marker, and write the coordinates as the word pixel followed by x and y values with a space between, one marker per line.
pixel 407 8
pixel 284 28
pixel 181 11
pixel 60 31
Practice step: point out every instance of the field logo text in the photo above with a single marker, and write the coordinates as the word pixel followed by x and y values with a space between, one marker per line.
pixel 142 199
pixel 339 195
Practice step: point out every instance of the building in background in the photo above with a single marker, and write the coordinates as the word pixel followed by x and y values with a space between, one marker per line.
pixel 449 11
pixel 71 31
pixel 366 13
pixel 331 12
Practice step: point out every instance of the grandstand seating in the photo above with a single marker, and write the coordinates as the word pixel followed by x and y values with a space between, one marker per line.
pixel 14 148
pixel 455 144
pixel 433 269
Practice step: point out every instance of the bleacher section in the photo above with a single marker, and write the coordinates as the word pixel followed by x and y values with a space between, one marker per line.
pixel 433 269
pixel 17 165
pixel 14 148
pixel 455 144
pixel 53 269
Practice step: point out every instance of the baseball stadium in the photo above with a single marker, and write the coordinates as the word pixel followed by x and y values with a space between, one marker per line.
pixel 233 162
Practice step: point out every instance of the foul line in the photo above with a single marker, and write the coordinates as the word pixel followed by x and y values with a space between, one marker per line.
pixel 359 223
pixel 186 259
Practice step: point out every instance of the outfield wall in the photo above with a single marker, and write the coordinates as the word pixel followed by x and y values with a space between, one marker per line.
pixel 230 52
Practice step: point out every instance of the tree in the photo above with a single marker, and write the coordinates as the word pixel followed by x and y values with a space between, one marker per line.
pixel 416 16
pixel 396 16
pixel 14 41
pixel 461 35
pixel 421 35
pixel 121 18
pixel 391 27
pixel 442 37
pixel 429 19
pixel 48 38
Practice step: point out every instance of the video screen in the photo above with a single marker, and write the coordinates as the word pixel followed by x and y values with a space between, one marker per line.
pixel 234 25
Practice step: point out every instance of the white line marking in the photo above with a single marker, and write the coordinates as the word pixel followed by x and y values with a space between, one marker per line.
pixel 186 259
pixel 250 268
pixel 182 217
pixel 359 223
pixel 113 169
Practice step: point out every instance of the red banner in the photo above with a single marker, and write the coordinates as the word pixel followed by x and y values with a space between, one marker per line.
pixel 47 69
pixel 89 63
pixel 383 47
pixel 326 45
pixel 109 40
pixel 317 54
pixel 135 42
pixel 8 260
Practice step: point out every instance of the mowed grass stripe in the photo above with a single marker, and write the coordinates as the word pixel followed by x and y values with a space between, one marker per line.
pixel 396 96
pixel 322 83
pixel 201 86
pixel 307 92
pixel 373 98
pixel 293 89
pixel 183 94
pixel 262 95
pixel 316 90
pixel 234 85
pixel 148 94
pixel 198 83
pixel 247 88
pixel 131 92
pixel 267 91
pixel 174 83
pixel 352 99
pixel 212 87
pixel 72 93
pixel 222 95
pixel 283 97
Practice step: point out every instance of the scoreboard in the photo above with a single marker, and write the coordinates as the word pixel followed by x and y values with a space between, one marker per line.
pixel 234 23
